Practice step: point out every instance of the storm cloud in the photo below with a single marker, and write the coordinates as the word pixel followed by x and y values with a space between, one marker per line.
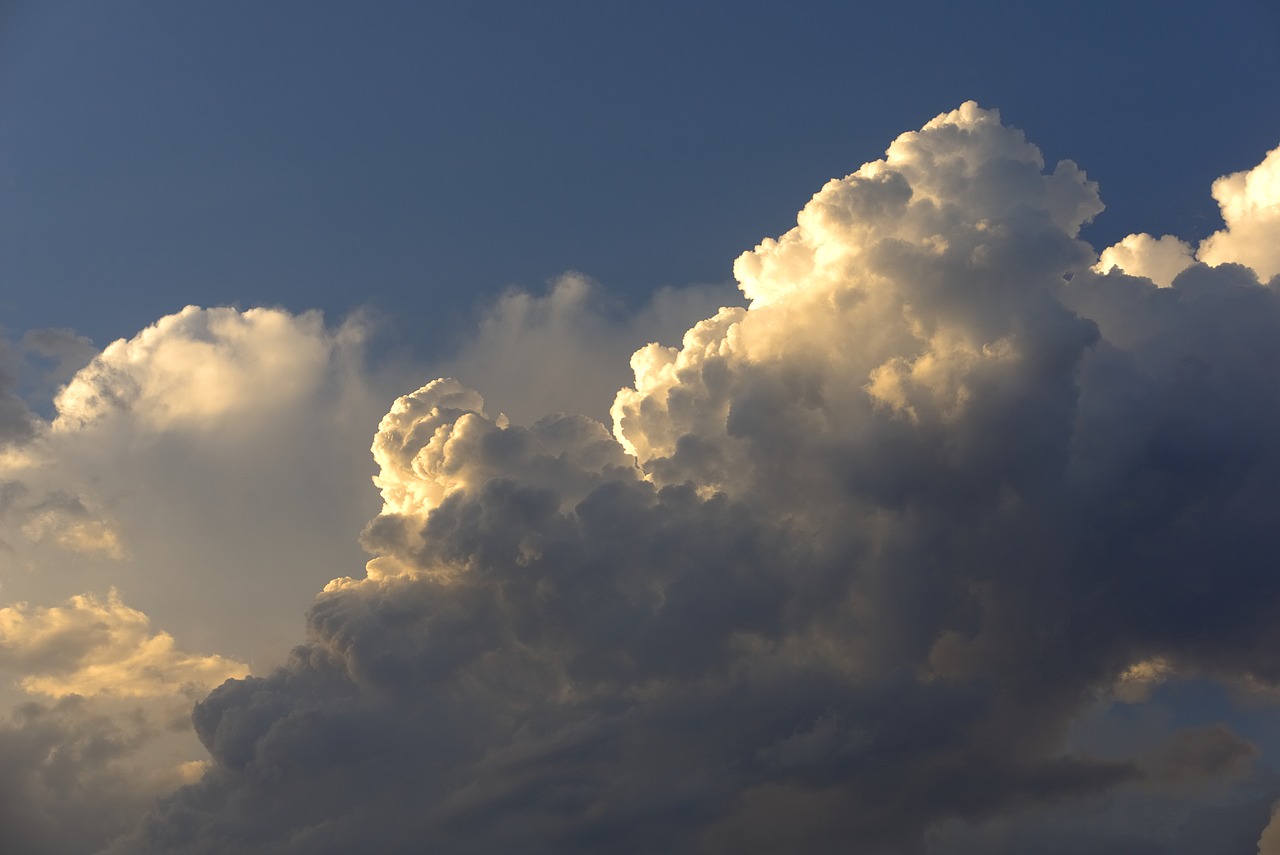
pixel 849 566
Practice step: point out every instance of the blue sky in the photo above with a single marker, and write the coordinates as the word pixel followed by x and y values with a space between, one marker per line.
pixel 431 426
pixel 421 157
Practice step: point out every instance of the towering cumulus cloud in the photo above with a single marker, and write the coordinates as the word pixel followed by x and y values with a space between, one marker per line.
pixel 850 565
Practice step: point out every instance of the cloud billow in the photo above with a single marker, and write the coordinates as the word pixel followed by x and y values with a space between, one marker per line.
pixel 850 564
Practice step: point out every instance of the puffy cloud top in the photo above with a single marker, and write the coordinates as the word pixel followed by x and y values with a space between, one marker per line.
pixel 1250 204
pixel 1158 259
pixel 961 175
pixel 909 285
pixel 195 367
pixel 852 563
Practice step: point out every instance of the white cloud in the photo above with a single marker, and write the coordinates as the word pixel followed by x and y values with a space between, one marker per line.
pixel 201 369
pixel 914 280
pixel 1158 259
pixel 1250 204
pixel 212 466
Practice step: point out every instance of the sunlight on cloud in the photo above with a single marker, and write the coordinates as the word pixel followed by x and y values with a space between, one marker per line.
pixel 90 646
pixel 1158 259
pixel 437 443
pixel 200 367
pixel 208 423
pixel 213 451
pixel 1250 204
pixel 1136 682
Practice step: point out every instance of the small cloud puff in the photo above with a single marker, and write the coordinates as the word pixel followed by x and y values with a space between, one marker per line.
pixel 1158 259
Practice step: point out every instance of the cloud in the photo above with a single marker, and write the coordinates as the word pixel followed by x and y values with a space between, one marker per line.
pixel 200 369
pixel 1195 755
pixel 1158 259
pixel 209 467
pixel 567 351
pixel 17 422
pixel 66 521
pixel 854 560
pixel 1250 205
pixel 74 775
pixel 1269 842
pixel 195 466
pixel 51 358
pixel 90 646
pixel 1127 826
pixel 209 422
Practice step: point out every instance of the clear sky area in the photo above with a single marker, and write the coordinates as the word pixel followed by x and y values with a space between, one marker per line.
pixel 420 157
pixel 639 428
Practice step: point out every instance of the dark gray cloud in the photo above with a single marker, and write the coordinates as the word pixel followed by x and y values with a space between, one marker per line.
pixel 29 371
pixel 17 422
pixel 65 785
pixel 886 534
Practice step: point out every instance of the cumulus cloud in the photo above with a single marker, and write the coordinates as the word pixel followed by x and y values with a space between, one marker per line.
pixel 1158 259
pixel 207 466
pixel 851 564
pixel 1250 205
pixel 210 422
pixel 198 466
pixel 200 368
pixel 90 646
